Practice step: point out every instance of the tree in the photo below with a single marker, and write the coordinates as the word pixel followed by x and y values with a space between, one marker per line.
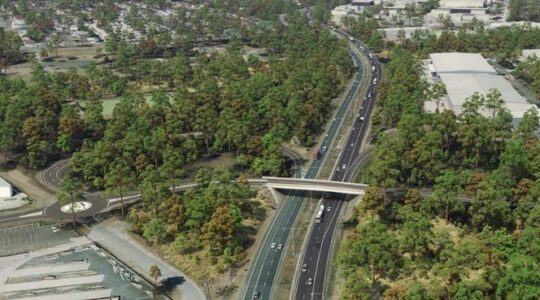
pixel 373 249
pixel 445 21
pixel 120 179
pixel 69 192
pixel 373 201
pixel 521 280
pixel 490 205
pixel 437 91
pixel 155 272
pixel 93 118
pixel 172 166
pixel 444 198
pixel 415 234
pixel 413 199
pixel 514 159
pixel 528 125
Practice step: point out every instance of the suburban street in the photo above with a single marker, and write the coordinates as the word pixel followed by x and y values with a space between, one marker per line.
pixel 263 272
pixel 315 262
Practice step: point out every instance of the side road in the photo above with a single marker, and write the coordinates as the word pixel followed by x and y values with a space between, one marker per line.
pixel 112 235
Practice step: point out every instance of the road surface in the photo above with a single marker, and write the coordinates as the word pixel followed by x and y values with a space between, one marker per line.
pixel 263 271
pixel 315 261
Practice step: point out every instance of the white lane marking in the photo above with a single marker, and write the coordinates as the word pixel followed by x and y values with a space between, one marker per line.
pixel 334 215
pixel 34 214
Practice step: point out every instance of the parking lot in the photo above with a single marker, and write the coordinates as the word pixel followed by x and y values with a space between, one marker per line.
pixel 25 238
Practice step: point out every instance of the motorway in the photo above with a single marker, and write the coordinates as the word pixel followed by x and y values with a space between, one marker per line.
pixel 263 271
pixel 315 262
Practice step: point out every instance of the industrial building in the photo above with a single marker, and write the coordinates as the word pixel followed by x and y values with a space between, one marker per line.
pixel 464 74
pixel 460 11
pixel 351 9
pixel 5 188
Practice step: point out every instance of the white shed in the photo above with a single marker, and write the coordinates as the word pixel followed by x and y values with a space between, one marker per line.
pixel 5 188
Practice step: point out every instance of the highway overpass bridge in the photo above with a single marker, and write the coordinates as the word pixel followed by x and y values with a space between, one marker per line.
pixel 314 185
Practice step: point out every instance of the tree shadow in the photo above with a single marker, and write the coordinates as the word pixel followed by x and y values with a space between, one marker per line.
pixel 168 284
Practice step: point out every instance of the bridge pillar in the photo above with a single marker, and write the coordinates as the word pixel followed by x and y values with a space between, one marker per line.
pixel 277 196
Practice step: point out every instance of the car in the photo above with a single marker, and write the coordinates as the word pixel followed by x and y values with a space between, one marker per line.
pixel 304 268
pixel 353 128
pixel 329 208
pixel 326 195
pixel 309 281
pixel 256 295
pixel 334 119
pixel 361 107
pixel 279 246
pixel 273 245
pixel 362 118
pixel 323 149
pixel 344 166
pixel 352 144
pixel 56 228
pixel 338 169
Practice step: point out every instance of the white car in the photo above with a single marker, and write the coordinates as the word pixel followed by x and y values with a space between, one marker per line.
pixel 329 208
pixel 362 118
pixel 304 268
pixel 344 166
pixel 273 245
pixel 309 281
pixel 279 246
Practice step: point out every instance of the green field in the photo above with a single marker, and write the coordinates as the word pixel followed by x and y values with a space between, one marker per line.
pixel 110 102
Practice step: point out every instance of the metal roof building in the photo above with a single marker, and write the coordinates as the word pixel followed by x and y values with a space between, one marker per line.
pixel 5 188
pixel 459 63
pixel 464 74
pixel 461 3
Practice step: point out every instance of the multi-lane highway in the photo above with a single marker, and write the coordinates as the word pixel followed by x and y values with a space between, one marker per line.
pixel 314 264
pixel 263 271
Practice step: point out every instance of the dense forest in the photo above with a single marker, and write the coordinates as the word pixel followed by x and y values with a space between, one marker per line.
pixel 206 220
pixel 213 104
pixel 438 246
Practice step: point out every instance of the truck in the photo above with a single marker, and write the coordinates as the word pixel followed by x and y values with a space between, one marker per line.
pixel 320 212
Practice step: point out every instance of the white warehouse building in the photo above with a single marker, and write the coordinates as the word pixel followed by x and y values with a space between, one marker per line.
pixel 5 188
pixel 464 74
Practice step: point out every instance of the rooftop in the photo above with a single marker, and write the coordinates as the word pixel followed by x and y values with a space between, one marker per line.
pixel 525 53
pixel 460 63
pixel 4 183
pixel 461 3
pixel 462 86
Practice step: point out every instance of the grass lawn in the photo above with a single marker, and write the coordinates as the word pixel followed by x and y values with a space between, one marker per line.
pixel 110 102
